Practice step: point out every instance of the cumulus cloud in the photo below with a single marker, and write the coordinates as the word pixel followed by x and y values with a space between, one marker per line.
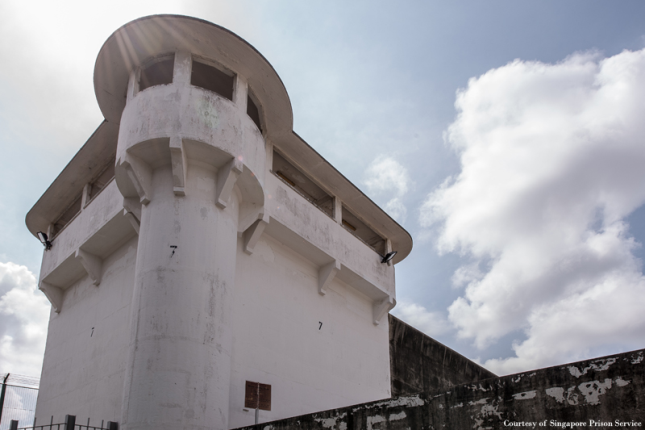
pixel 24 314
pixel 431 323
pixel 386 176
pixel 552 160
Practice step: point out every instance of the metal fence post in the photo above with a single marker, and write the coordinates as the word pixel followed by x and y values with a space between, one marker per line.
pixel 111 425
pixel 70 422
pixel 4 389
pixel 14 425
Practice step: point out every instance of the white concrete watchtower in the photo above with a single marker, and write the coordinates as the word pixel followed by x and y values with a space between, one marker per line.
pixel 215 248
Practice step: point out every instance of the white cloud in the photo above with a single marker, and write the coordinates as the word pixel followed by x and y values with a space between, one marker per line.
pixel 397 209
pixel 24 314
pixel 552 162
pixel 431 323
pixel 387 176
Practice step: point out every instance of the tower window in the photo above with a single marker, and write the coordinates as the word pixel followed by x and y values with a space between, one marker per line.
pixel 362 231
pixel 157 73
pixel 67 216
pixel 253 111
pixel 212 79
pixel 304 186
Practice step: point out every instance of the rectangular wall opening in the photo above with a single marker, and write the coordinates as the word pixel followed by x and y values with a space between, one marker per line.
pixel 253 111
pixel 307 188
pixel 157 73
pixel 212 79
pixel 102 180
pixel 68 215
pixel 361 230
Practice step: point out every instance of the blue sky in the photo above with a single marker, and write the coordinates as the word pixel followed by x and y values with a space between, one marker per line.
pixel 505 136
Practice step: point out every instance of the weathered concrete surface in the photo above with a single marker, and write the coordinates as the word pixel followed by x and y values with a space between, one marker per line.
pixel 418 363
pixel 605 392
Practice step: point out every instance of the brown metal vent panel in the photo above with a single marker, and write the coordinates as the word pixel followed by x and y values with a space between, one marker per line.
pixel 257 396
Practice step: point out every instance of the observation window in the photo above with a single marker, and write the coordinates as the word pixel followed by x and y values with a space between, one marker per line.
pixel 361 230
pixel 307 188
pixel 102 180
pixel 69 214
pixel 253 112
pixel 158 73
pixel 212 79
pixel 96 186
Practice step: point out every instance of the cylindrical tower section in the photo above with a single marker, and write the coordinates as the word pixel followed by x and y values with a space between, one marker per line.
pixel 181 332
pixel 186 158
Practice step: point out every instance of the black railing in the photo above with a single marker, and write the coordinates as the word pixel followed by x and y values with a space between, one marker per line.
pixel 69 424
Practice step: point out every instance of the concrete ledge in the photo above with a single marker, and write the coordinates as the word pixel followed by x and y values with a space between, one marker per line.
pixel 95 233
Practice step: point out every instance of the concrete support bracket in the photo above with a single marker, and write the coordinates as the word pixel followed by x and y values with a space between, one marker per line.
pixel 92 264
pixel 140 174
pixel 132 211
pixel 253 233
pixel 54 295
pixel 382 307
pixel 326 274
pixel 179 166
pixel 133 220
pixel 133 206
pixel 226 178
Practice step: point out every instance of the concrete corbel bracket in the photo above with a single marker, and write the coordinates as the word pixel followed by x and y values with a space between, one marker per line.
pixel 136 225
pixel 326 274
pixel 226 178
pixel 140 174
pixel 133 206
pixel 253 233
pixel 53 294
pixel 179 166
pixel 132 211
pixel 92 264
pixel 382 307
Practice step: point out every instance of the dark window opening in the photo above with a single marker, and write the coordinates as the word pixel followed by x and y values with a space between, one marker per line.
pixel 362 231
pixel 102 180
pixel 257 396
pixel 302 184
pixel 67 216
pixel 157 73
pixel 253 112
pixel 212 79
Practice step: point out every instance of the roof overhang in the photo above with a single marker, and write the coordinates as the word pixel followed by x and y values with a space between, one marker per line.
pixel 153 36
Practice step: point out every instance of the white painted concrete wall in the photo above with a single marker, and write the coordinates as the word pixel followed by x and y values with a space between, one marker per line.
pixel 83 368
pixel 278 339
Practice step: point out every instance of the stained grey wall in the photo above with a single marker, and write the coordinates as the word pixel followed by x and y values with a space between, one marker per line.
pixel 606 390
pixel 420 363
